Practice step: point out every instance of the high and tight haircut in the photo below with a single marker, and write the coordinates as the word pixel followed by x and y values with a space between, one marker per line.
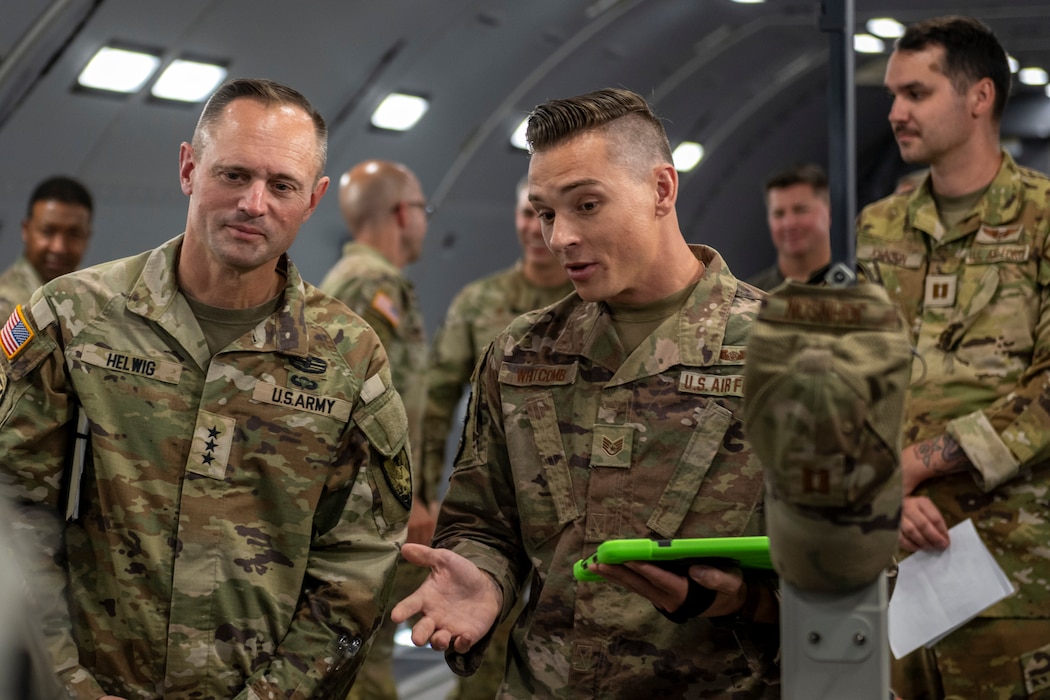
pixel 269 93
pixel 63 189
pixel 623 115
pixel 802 174
pixel 971 53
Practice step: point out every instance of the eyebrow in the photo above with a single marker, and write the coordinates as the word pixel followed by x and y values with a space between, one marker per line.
pixel 907 86
pixel 284 177
pixel 575 184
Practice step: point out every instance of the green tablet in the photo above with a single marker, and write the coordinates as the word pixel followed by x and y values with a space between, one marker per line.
pixel 679 554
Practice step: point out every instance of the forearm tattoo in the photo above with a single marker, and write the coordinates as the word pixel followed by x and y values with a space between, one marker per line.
pixel 941 455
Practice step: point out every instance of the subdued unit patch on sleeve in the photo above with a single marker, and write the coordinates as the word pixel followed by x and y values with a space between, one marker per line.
pixel 398 477
pixel 16 333
pixel 382 303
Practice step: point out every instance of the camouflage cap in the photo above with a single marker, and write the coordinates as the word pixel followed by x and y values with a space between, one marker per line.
pixel 824 386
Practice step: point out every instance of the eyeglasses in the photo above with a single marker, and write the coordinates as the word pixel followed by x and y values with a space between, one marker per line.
pixel 427 209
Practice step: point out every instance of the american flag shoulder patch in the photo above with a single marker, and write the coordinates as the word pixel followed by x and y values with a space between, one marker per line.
pixel 16 333
pixel 386 306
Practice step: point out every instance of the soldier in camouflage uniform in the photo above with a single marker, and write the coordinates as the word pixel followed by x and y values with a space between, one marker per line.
pixel 235 528
pixel 481 310
pixel 613 413
pixel 798 212
pixel 966 257
pixel 384 208
pixel 55 235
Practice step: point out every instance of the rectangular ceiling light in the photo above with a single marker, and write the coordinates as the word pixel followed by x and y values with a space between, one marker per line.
pixel 118 70
pixel 188 81
pixel 399 112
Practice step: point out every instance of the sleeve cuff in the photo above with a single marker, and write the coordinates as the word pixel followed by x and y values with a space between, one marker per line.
pixel 992 460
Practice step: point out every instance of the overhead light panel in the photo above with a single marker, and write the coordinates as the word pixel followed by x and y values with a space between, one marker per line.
pixel 749 2
pixel 1015 65
pixel 118 70
pixel 687 155
pixel 517 139
pixel 1032 76
pixel 399 112
pixel 188 81
pixel 885 27
pixel 866 43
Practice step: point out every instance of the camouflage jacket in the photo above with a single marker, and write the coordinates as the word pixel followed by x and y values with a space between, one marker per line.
pixel 239 515
pixel 976 300
pixel 372 287
pixel 482 309
pixel 569 443
pixel 17 284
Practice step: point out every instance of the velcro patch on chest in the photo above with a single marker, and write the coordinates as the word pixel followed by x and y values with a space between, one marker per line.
pixel 211 446
pixel 265 392
pixel 537 375
pixel 711 384
pixel 119 361
pixel 940 291
pixel 997 235
pixel 611 446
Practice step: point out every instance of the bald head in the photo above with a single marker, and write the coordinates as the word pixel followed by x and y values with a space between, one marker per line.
pixel 383 205
pixel 370 191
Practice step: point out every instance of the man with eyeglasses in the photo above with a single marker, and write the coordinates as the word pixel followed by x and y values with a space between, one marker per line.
pixel 383 205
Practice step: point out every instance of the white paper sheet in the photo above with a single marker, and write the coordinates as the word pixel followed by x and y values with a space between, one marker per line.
pixel 939 591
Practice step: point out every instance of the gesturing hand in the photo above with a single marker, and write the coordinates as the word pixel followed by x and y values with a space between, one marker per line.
pixel 458 602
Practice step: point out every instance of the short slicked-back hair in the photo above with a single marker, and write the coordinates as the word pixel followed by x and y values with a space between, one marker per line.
pixel 971 53
pixel 804 174
pixel 62 189
pixel 624 116
pixel 269 93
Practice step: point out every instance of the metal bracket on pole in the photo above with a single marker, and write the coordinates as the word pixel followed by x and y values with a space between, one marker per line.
pixel 833 646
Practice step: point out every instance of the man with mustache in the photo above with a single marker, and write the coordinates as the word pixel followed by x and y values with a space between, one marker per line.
pixel 966 257
pixel 55 234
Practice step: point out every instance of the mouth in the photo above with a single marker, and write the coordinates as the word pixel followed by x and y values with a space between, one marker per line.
pixel 245 231
pixel 579 270
pixel 904 134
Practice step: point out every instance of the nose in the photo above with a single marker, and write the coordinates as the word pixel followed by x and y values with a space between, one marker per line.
pixel 58 244
pixel 560 235
pixel 897 114
pixel 253 199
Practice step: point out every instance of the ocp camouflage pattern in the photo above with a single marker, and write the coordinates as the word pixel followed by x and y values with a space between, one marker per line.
pixel 240 516
pixel 364 280
pixel 17 284
pixel 569 443
pixel 976 299
pixel 478 312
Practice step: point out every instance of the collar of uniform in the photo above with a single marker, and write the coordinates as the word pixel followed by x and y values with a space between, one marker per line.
pixel 154 295
pixel 701 325
pixel 1000 205
pixel 703 318
pixel 377 258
